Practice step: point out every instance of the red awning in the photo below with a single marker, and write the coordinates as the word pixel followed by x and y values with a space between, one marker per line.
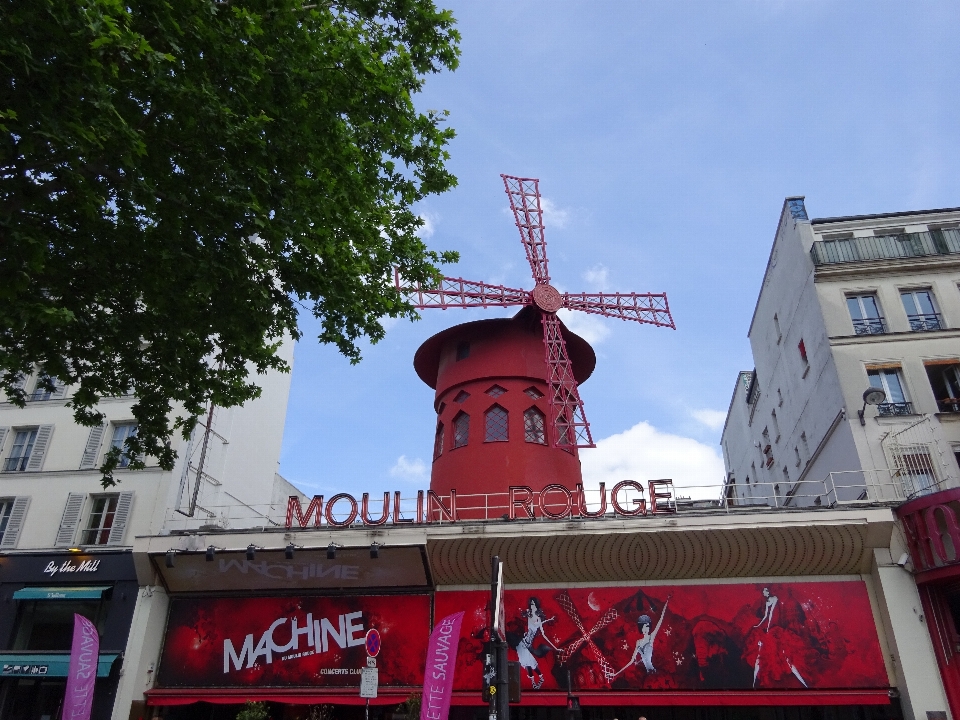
pixel 696 697
pixel 292 696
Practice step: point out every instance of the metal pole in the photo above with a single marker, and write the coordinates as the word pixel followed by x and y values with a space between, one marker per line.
pixel 368 709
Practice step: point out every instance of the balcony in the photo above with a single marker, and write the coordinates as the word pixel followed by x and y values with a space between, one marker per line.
pixel 923 323
pixel 886 247
pixel 869 326
pixel 895 408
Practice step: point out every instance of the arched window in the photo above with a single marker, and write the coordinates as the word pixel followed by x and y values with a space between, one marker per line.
pixel 497 428
pixel 461 429
pixel 534 429
pixel 438 441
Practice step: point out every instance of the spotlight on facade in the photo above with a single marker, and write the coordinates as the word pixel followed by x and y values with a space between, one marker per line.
pixel 169 561
pixel 288 551
pixel 209 554
pixel 374 551
pixel 871 396
pixel 251 551
pixel 331 552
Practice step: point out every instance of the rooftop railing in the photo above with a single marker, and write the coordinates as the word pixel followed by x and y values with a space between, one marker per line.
pixel 886 247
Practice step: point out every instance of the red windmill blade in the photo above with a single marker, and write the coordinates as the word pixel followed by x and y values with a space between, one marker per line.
pixel 569 422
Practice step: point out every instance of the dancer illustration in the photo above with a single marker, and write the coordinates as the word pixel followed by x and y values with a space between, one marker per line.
pixel 643 651
pixel 526 652
pixel 777 642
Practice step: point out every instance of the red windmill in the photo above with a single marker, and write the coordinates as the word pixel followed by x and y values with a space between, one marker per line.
pixel 568 420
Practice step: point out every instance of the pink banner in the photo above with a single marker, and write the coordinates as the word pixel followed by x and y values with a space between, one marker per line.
pixel 84 655
pixel 441 664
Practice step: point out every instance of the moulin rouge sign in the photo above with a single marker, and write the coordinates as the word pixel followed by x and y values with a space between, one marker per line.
pixel 554 502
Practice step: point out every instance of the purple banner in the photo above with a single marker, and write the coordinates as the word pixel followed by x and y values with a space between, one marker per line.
pixel 84 655
pixel 441 664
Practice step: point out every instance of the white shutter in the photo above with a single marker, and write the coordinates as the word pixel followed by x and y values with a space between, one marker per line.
pixel 44 433
pixel 92 450
pixel 15 523
pixel 71 519
pixel 60 390
pixel 124 503
pixel 21 382
pixel 3 438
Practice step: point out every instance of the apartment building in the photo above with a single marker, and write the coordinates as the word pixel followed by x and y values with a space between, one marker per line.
pixel 65 541
pixel 855 394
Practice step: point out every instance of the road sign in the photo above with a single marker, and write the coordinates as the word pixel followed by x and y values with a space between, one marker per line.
pixel 369 681
pixel 371 662
pixel 372 642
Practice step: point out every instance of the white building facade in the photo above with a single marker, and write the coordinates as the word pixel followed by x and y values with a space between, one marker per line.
pixel 65 541
pixel 855 397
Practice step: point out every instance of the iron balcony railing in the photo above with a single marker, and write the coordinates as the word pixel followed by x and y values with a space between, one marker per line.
pixel 869 326
pixel 895 408
pixel 886 247
pixel 920 323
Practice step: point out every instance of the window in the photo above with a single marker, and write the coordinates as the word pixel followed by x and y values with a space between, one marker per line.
pixel 120 435
pixel 796 451
pixel 776 327
pixel 533 392
pixel 776 425
pixel 22 448
pixel 495 391
pixel 865 313
pixel 438 441
pixel 803 351
pixel 921 312
pixel 806 446
pixel 945 383
pixel 100 521
pixel 463 351
pixel 461 396
pixel 779 398
pixel 497 429
pixel 6 507
pixel 47 625
pixel 461 429
pixel 786 475
pixel 534 426
pixel 890 381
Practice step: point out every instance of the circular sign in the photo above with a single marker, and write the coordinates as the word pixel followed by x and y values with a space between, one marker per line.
pixel 372 642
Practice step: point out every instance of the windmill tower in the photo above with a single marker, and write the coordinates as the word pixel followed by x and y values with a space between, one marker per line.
pixel 507 399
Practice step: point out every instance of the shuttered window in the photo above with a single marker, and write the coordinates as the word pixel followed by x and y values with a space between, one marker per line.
pixel 120 434
pixel 70 520
pixel 23 443
pixel 13 512
pixel 91 450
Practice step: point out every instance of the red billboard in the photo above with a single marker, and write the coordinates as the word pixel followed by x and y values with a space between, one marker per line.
pixel 293 641
pixel 796 636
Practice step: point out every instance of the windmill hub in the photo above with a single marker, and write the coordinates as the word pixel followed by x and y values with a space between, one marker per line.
pixel 547 297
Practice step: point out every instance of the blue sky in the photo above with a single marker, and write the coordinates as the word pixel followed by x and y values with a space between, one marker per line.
pixel 665 136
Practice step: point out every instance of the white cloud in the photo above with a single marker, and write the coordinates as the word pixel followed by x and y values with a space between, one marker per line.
pixel 591 328
pixel 644 453
pixel 553 215
pixel 407 469
pixel 597 277
pixel 429 225
pixel 713 419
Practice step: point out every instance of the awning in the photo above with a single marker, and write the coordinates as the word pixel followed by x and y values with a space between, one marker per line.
pixel 728 698
pixel 61 593
pixel 36 665
pixel 293 696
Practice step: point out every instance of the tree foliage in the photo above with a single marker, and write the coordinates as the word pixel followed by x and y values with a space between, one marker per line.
pixel 179 178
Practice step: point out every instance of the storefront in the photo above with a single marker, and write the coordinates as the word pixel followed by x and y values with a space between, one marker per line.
pixel 40 593
pixel 662 617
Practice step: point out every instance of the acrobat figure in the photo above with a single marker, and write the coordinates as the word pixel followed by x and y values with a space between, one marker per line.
pixel 769 607
pixel 643 651
pixel 526 652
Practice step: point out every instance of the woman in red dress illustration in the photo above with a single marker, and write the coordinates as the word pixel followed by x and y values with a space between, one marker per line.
pixel 777 646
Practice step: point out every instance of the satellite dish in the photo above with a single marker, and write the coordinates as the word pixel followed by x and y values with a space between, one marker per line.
pixel 874 396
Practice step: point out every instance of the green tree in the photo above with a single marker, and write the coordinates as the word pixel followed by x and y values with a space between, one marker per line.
pixel 253 711
pixel 180 178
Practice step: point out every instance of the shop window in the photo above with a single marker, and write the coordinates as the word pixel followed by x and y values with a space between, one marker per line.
pixel 945 383
pixel 461 429
pixel 533 393
pixel 102 514
pixel 496 425
pixel 438 441
pixel 47 625
pixel 23 443
pixel 865 314
pixel 120 434
pixel 534 426
pixel 890 381
pixel 921 310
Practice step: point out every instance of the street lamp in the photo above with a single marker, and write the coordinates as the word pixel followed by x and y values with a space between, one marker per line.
pixel 871 396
